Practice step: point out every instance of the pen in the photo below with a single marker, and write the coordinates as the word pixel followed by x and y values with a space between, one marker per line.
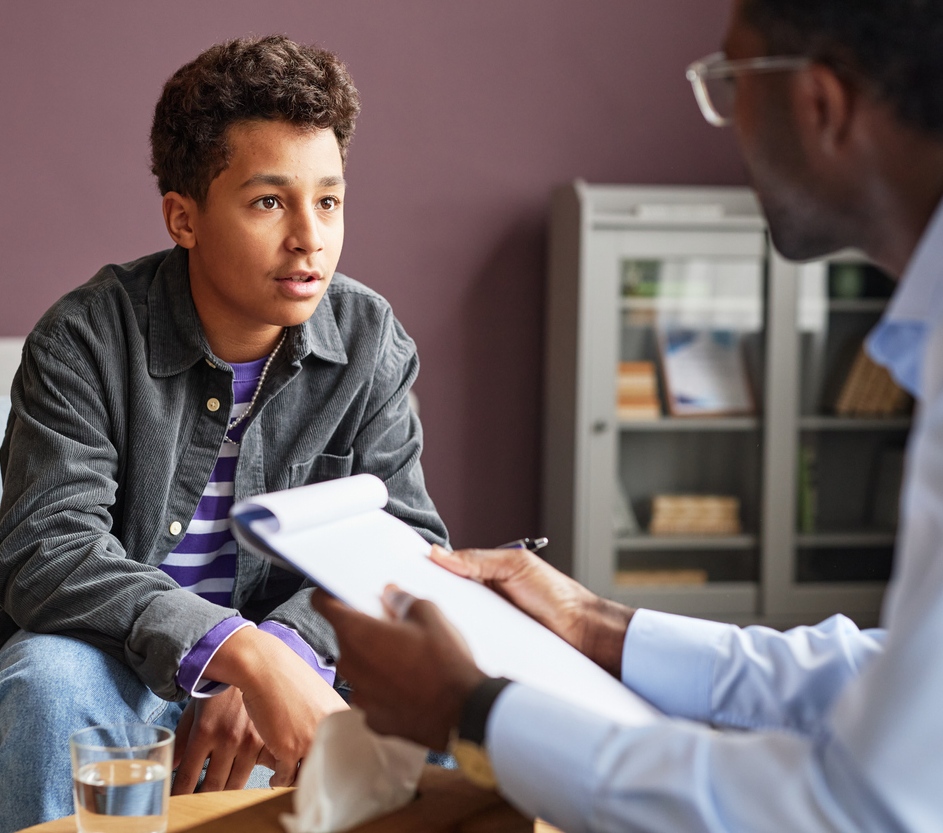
pixel 532 544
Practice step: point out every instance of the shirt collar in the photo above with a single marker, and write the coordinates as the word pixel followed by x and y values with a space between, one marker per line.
pixel 899 340
pixel 176 339
pixel 919 294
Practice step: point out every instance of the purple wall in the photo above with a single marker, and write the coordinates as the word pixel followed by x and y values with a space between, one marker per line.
pixel 472 112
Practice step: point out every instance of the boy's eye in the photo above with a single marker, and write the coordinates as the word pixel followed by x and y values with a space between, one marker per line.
pixel 268 203
pixel 330 203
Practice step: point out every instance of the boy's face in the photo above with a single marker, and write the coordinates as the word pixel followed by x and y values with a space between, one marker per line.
pixel 263 248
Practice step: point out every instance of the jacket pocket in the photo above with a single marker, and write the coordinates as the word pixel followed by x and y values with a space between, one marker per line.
pixel 321 467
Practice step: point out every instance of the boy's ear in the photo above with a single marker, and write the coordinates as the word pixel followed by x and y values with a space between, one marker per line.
pixel 179 214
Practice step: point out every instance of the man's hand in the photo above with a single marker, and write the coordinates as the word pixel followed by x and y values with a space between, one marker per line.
pixel 594 626
pixel 283 700
pixel 411 675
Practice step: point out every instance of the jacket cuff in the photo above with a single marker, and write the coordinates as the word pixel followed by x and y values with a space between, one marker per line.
pixel 168 628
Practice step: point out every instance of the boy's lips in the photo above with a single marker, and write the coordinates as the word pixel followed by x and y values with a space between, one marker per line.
pixel 300 284
pixel 300 277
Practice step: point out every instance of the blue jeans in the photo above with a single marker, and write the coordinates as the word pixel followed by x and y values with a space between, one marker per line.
pixel 50 686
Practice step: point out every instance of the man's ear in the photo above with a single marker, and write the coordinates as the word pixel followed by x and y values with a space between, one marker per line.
pixel 825 108
pixel 179 215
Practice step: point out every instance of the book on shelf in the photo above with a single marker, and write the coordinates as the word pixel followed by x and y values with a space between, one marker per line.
pixel 807 499
pixel 695 515
pixel 337 534
pixel 637 391
pixel 705 372
pixel 869 390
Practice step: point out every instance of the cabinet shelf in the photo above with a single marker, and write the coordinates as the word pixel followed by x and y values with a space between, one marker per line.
pixel 845 540
pixel 863 305
pixel 691 303
pixel 669 423
pixel 835 423
pixel 644 541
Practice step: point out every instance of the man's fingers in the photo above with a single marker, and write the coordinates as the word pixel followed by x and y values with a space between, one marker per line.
pixel 396 602
pixel 455 562
pixel 353 628
pixel 482 565
pixel 404 607
pixel 329 607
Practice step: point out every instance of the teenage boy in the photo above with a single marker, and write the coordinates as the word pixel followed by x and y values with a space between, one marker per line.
pixel 155 395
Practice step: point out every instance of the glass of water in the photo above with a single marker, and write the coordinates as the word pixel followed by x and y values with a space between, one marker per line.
pixel 121 777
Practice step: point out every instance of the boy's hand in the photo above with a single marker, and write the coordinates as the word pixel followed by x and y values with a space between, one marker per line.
pixel 270 718
pixel 217 728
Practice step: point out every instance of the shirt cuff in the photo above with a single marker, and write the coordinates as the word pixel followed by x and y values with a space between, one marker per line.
pixel 324 665
pixel 190 674
pixel 544 755
pixel 669 660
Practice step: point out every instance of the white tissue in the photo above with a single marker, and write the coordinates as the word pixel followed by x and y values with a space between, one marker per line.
pixel 352 775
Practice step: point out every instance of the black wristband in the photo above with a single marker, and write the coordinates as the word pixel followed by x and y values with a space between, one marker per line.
pixel 474 719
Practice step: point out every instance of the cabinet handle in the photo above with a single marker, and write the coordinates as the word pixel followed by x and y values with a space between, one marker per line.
pixel 600 426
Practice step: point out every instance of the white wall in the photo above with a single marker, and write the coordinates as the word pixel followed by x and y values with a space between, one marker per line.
pixel 10 349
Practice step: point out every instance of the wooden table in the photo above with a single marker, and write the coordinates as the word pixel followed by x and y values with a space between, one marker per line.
pixel 446 803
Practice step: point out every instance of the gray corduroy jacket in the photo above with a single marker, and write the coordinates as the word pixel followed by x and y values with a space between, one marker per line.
pixel 110 442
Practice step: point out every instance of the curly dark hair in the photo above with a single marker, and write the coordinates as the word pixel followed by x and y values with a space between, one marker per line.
pixel 894 46
pixel 242 80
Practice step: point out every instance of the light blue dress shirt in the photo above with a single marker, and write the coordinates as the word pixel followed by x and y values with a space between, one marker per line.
pixel 827 728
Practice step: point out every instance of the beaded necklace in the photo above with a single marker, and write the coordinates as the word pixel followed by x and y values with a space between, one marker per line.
pixel 258 389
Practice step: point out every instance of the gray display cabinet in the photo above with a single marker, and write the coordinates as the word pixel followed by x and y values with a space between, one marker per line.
pixel 630 268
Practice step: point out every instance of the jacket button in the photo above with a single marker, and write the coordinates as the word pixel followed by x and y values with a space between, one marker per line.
pixel 175 528
pixel 212 404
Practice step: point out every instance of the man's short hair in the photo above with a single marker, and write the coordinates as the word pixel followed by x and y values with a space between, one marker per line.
pixel 243 80
pixel 895 47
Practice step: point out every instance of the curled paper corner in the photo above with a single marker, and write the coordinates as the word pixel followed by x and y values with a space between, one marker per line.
pixel 352 775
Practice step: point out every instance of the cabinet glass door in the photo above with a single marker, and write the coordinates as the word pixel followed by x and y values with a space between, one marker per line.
pixel 687 399
pixel 853 424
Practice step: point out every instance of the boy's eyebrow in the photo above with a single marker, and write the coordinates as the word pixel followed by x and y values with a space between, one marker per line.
pixel 282 181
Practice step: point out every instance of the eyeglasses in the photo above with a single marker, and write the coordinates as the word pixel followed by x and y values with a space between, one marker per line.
pixel 712 80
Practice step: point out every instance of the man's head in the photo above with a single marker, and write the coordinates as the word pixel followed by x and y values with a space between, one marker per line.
pixel 823 139
pixel 892 48
pixel 243 80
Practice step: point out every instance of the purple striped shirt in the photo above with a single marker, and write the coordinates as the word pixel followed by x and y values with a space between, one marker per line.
pixel 204 561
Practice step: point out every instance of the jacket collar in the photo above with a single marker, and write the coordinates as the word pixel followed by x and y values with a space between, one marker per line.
pixel 176 339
